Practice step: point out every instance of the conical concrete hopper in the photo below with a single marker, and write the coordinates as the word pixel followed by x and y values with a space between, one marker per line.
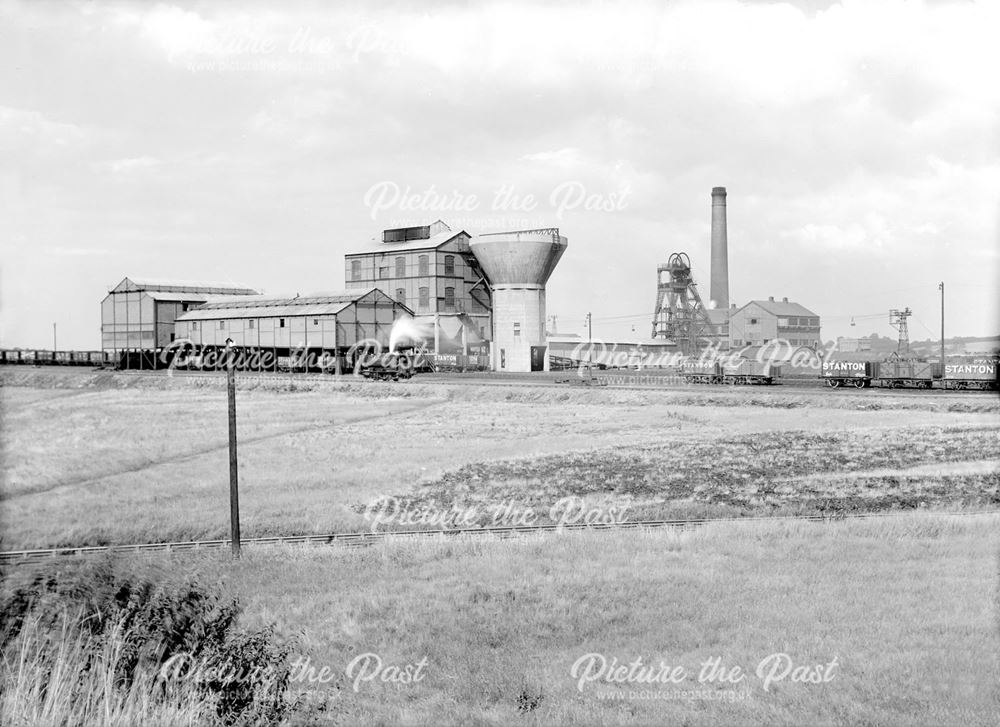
pixel 518 264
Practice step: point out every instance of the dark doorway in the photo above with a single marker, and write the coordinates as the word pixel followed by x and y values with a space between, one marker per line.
pixel 538 358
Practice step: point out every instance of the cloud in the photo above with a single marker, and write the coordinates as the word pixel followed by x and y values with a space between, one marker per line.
pixel 75 252
pixel 851 135
pixel 31 132
pixel 123 166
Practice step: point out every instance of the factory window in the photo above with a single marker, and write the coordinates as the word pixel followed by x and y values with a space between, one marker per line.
pixel 401 267
pixel 814 321
pixel 194 325
pixel 783 322
pixel 281 323
pixel 250 325
pixel 315 321
pixel 184 307
pixel 449 264
pixel 517 329
pixel 383 271
pixel 449 297
pixel 425 297
pixel 422 265
pixel 222 325
pixel 401 296
pixel 355 270
pixel 753 321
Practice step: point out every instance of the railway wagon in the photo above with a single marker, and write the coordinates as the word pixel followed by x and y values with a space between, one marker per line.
pixel 750 372
pixel 847 373
pixel 696 371
pixel 908 374
pixel 978 374
pixel 456 362
pixel 723 371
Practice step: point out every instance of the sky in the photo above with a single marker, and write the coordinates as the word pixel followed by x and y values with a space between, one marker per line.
pixel 258 143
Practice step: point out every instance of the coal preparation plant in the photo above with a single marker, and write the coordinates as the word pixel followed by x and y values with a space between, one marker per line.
pixel 471 303
pixel 138 315
pixel 324 328
pixel 432 271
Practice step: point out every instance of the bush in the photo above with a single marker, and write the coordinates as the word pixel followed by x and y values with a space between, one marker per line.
pixel 172 631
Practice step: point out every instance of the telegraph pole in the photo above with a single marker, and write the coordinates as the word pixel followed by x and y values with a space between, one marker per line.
pixel 234 486
pixel 590 346
pixel 941 286
pixel 54 347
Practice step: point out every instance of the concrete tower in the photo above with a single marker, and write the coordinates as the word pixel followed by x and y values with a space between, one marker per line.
pixel 719 292
pixel 518 264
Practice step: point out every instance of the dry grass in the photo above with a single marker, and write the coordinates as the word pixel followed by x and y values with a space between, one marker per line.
pixel 116 459
pixel 56 676
pixel 906 606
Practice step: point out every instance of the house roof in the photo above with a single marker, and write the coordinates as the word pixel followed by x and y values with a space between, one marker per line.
pixel 261 306
pixel 389 248
pixel 782 308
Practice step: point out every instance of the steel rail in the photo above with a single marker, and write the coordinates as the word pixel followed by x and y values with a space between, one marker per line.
pixel 364 538
pixel 790 386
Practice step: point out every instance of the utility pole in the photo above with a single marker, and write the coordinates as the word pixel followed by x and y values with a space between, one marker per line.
pixel 590 345
pixel 941 286
pixel 54 348
pixel 234 486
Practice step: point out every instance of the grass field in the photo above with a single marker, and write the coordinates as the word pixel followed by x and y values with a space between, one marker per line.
pixel 906 608
pixel 99 459
pixel 894 616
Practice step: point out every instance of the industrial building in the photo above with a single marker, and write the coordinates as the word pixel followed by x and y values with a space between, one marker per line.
pixel 320 325
pixel 681 315
pixel 468 292
pixel 761 321
pixel 572 351
pixel 432 271
pixel 138 314
pixel 518 265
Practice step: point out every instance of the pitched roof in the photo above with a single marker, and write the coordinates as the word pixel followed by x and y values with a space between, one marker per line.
pixel 431 243
pixel 261 306
pixel 194 286
pixel 177 297
pixel 782 308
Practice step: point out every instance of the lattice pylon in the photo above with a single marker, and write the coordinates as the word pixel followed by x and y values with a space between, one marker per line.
pixel 897 319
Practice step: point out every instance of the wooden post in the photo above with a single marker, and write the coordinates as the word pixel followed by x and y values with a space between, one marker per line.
pixel 234 488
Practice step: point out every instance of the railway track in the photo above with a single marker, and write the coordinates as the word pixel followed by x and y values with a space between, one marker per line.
pixel 361 539
pixel 609 382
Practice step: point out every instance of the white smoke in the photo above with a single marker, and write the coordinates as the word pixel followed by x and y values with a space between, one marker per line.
pixel 408 331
